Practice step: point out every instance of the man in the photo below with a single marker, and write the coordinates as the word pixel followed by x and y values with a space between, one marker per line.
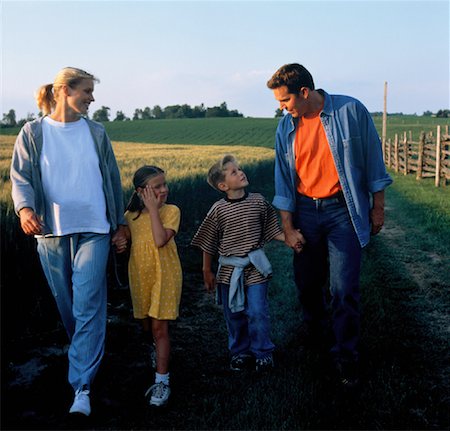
pixel 329 187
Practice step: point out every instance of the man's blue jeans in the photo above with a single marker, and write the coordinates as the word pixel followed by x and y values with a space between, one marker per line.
pixel 332 250
pixel 75 268
pixel 248 330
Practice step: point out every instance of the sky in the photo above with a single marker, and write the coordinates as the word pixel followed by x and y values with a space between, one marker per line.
pixel 149 53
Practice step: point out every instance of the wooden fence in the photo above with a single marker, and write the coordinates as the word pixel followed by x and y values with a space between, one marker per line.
pixel 428 157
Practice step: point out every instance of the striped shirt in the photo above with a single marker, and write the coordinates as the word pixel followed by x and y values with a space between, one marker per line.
pixel 235 227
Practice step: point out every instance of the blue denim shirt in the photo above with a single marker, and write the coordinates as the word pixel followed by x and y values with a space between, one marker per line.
pixel 356 149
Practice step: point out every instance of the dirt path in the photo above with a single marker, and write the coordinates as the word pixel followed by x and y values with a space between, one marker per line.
pixel 36 394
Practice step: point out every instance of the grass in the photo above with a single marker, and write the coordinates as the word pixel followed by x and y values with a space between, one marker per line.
pixel 405 309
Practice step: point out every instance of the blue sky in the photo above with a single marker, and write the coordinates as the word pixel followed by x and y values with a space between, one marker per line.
pixel 148 53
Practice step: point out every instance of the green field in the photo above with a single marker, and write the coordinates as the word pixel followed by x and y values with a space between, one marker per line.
pixel 258 132
pixel 405 309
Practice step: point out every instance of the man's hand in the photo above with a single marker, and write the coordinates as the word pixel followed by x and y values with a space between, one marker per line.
pixel 377 219
pixel 294 239
pixel 30 222
pixel 377 212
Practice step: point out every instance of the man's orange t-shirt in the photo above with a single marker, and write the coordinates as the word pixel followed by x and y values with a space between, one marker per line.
pixel 313 160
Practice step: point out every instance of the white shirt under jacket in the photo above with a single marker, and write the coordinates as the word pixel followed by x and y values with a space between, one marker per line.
pixel 71 179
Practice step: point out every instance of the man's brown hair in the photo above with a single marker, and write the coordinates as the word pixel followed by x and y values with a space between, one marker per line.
pixel 294 76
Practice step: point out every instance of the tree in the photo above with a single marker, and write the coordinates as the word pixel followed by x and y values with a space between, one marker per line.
pixel 137 114
pixel 22 121
pixel 199 111
pixel 146 113
pixel 158 113
pixel 120 116
pixel 278 113
pixel 101 114
pixel 9 119
pixel 427 114
pixel 443 113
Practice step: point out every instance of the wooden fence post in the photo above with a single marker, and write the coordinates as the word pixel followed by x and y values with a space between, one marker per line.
pixel 438 157
pixel 388 146
pixel 420 156
pixel 406 153
pixel 396 153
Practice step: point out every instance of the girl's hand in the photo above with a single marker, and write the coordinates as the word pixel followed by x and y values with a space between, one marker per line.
pixel 120 239
pixel 151 201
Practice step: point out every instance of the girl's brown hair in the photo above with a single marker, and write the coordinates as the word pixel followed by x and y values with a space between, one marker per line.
pixel 140 179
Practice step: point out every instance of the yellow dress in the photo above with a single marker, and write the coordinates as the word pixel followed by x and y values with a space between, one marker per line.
pixel 154 273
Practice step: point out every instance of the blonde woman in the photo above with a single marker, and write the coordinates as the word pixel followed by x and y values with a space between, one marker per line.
pixel 67 192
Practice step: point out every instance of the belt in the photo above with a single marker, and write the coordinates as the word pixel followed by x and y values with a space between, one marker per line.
pixel 339 196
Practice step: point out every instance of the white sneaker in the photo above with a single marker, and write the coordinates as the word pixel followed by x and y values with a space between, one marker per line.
pixel 81 403
pixel 158 393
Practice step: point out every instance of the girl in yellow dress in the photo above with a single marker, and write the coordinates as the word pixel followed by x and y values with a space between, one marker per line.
pixel 154 268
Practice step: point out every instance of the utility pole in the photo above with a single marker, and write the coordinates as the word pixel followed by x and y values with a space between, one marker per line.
pixel 383 133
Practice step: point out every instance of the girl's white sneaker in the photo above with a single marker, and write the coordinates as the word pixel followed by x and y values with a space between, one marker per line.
pixel 158 394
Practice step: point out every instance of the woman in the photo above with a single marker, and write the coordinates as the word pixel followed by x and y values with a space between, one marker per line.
pixel 67 192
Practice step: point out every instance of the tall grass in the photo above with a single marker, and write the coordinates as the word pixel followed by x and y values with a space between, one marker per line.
pixel 186 167
pixel 424 208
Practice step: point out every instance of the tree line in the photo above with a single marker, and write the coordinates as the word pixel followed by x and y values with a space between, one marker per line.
pixel 156 113
pixel 174 111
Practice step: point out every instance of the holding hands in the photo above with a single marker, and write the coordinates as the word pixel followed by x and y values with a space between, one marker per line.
pixel 120 238
pixel 295 240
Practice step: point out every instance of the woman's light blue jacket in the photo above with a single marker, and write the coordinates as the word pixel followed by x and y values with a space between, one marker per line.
pixel 356 149
pixel 25 172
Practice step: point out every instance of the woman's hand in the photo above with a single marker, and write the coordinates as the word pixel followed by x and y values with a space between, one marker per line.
pixel 30 222
pixel 120 238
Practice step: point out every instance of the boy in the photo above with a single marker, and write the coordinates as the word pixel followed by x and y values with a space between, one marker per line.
pixel 236 228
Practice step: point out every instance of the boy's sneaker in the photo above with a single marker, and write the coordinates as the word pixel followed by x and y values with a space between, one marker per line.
pixel 241 362
pixel 158 394
pixel 348 374
pixel 263 364
pixel 81 403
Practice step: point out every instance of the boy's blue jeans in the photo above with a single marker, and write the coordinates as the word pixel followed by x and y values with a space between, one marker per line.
pixel 249 330
pixel 332 249
pixel 75 268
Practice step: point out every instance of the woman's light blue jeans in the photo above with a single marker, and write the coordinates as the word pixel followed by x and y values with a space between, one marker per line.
pixel 75 268
pixel 248 330
pixel 332 250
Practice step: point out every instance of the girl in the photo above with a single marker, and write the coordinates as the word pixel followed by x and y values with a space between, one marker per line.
pixel 154 268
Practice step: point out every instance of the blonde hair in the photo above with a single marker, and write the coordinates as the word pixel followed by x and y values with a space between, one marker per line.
pixel 47 94
pixel 216 173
